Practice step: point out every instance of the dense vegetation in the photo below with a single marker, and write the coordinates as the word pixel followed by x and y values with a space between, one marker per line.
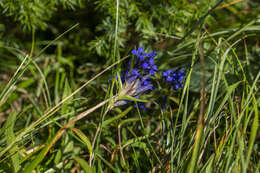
pixel 61 104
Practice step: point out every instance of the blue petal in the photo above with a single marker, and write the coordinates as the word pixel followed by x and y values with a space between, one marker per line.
pixel 151 61
pixel 152 72
pixel 140 49
pixel 176 86
pixel 145 65
pixel 154 67
pixel 143 89
pixel 146 82
pixel 180 78
pixel 153 54
pixel 141 57
pixel 164 74
pixel 169 79
pixel 146 54
pixel 134 52
pixel 169 71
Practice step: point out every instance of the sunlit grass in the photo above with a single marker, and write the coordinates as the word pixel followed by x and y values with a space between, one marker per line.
pixel 58 123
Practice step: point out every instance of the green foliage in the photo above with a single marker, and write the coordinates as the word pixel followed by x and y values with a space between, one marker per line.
pixel 55 106
pixel 34 14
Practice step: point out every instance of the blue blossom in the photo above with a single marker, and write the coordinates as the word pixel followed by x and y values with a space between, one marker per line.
pixel 137 86
pixel 174 77
pixel 149 66
pixel 153 54
pixel 139 53
pixel 137 80
pixel 132 76
pixel 153 69
pixel 168 75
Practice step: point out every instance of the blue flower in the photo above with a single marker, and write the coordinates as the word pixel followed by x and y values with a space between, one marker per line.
pixel 168 75
pixel 137 86
pixel 153 69
pixel 175 77
pixel 149 66
pixel 153 54
pixel 151 61
pixel 145 65
pixel 180 74
pixel 137 80
pixel 139 53
pixel 133 76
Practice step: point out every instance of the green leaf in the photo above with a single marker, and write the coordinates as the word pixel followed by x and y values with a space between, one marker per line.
pixel 132 99
pixel 84 138
pixel 10 137
pixel 66 93
pixel 39 157
pixel 107 163
pixel 83 164
pixel 69 147
pixel 209 168
pixel 57 157
pixel 253 132
pixel 116 117
pixel 26 83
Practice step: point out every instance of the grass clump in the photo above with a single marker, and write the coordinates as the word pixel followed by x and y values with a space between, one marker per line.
pixel 71 102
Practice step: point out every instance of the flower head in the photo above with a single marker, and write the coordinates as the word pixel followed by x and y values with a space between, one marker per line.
pixel 139 53
pixel 168 75
pixel 175 77
pixel 137 80
pixel 147 64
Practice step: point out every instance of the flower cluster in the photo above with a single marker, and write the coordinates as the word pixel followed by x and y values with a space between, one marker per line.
pixel 174 77
pixel 136 78
pixel 145 61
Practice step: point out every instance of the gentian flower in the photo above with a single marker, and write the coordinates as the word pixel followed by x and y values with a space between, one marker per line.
pixel 174 77
pixel 147 64
pixel 137 80
pixel 139 53
pixel 168 75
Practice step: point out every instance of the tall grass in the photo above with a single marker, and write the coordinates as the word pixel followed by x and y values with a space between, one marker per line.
pixel 65 124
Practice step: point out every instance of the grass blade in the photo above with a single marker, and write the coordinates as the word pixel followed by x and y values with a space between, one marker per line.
pixel 84 138
pixel 252 133
pixel 10 138
pixel 83 164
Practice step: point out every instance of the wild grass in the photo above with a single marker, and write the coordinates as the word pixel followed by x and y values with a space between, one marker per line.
pixel 56 122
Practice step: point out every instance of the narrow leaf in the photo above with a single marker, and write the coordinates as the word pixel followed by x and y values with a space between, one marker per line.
pixel 84 138
pixel 116 117
pixel 83 164
pixel 10 137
